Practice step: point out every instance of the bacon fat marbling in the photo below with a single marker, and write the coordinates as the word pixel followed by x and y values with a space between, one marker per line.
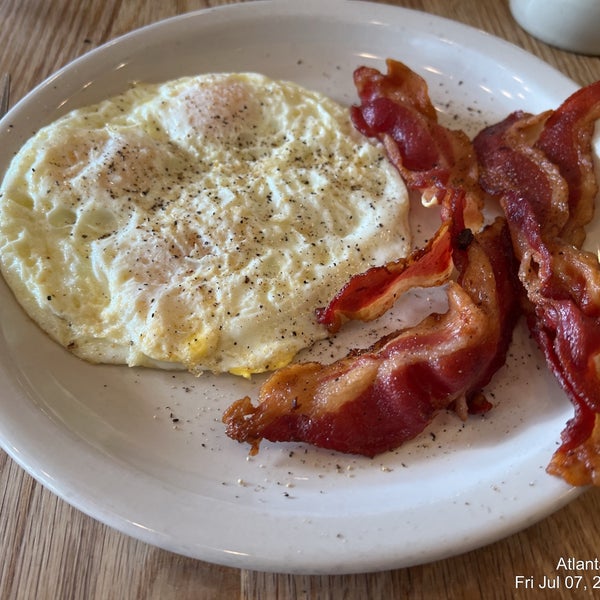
pixel 541 169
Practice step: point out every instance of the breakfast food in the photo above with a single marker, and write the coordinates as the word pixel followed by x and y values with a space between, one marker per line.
pixel 376 399
pixel 225 222
pixel 196 223
pixel 540 168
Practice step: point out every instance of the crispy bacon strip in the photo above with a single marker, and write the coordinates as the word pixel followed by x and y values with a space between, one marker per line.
pixel 396 108
pixel 437 162
pixel 368 295
pixel 547 189
pixel 374 400
pixel 565 140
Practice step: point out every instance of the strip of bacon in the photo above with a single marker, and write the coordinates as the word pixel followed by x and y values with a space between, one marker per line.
pixel 368 295
pixel 547 189
pixel 565 140
pixel 396 108
pixel 437 162
pixel 376 399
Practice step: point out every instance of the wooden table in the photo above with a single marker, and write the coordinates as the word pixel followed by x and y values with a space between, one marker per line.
pixel 51 550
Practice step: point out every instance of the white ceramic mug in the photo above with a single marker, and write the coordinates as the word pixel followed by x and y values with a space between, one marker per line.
pixel 568 24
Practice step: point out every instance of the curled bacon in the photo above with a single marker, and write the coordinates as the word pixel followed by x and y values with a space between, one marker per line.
pixel 368 295
pixel 565 140
pixel 541 169
pixel 437 161
pixel 373 400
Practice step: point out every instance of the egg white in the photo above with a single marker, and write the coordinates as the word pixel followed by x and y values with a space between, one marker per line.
pixel 196 223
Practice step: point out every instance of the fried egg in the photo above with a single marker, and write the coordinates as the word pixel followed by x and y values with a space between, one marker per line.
pixel 196 223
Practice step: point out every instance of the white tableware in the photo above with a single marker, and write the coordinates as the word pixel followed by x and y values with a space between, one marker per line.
pixel 145 451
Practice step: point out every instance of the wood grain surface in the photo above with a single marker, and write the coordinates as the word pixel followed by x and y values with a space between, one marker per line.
pixel 50 550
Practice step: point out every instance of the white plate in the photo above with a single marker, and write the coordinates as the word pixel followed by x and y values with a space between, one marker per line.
pixel 103 437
